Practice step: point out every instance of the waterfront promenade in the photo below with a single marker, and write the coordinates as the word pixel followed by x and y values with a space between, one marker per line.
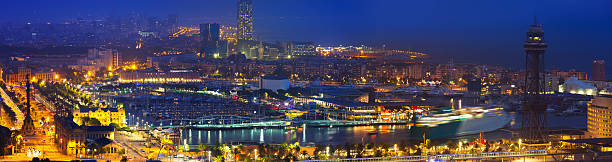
pixel 236 124
pixel 538 155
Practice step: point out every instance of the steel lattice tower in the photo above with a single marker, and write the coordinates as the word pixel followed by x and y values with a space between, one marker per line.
pixel 534 124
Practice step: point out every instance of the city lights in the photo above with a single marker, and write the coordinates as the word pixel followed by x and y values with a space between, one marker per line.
pixel 244 81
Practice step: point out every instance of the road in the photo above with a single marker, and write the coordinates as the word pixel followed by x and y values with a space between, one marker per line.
pixel 133 144
pixel 42 141
pixel 537 155
pixel 11 103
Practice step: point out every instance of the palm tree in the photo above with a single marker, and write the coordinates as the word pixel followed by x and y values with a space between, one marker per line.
pixel 317 151
pixel 262 149
pixel 304 154
pixel 360 148
pixel 225 151
pixel 236 152
pixel 295 148
pixel 202 148
pixel 347 148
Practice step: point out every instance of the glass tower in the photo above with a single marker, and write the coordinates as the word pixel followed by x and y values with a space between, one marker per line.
pixel 245 20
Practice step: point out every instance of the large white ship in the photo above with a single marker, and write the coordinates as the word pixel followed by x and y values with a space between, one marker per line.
pixel 471 120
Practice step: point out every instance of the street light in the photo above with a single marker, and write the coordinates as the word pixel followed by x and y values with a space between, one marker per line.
pixel 520 141
pixel 209 160
pixel 395 148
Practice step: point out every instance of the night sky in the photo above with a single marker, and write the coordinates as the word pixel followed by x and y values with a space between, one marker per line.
pixel 481 31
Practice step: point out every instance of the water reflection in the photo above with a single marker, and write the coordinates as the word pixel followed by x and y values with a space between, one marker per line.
pixel 323 135
pixel 361 134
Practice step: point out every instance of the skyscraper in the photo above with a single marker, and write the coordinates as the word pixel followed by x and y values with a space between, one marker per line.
pixel 599 70
pixel 172 23
pixel 245 20
pixel 534 108
pixel 210 34
pixel 210 31
pixel 598 114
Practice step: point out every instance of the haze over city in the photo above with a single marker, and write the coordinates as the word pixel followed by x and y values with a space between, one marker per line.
pixel 475 32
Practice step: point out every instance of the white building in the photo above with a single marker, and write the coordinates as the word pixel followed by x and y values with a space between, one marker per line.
pixel 575 86
pixel 274 83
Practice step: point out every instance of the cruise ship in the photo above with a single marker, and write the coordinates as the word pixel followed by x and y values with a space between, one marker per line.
pixel 470 120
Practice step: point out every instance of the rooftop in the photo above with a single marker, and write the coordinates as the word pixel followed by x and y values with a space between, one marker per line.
pixel 85 110
pixel 100 128
pixel 346 103
pixel 274 77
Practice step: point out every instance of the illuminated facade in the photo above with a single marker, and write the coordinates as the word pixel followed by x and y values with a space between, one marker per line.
pixel 228 32
pixel 229 42
pixel 186 31
pixel 575 86
pixel 72 139
pixel 599 117
pixel 353 110
pixel 173 76
pixel 245 20
pixel 551 85
pixel 303 49
pixel 104 115
pixel 18 75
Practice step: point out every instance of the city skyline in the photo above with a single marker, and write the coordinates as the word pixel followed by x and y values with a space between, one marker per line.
pixel 486 32
pixel 316 80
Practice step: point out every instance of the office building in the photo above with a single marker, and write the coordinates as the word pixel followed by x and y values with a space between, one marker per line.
pixel 598 117
pixel 210 31
pixel 551 84
pixel 572 73
pixel 100 57
pixel 17 75
pixel 302 49
pixel 599 70
pixel 474 86
pixel 245 20
pixel 172 23
pixel 210 34
pixel 228 32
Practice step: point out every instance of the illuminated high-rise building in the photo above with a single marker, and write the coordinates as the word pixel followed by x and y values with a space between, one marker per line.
pixel 599 70
pixel 229 42
pixel 245 20
pixel 228 32
pixel 598 116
